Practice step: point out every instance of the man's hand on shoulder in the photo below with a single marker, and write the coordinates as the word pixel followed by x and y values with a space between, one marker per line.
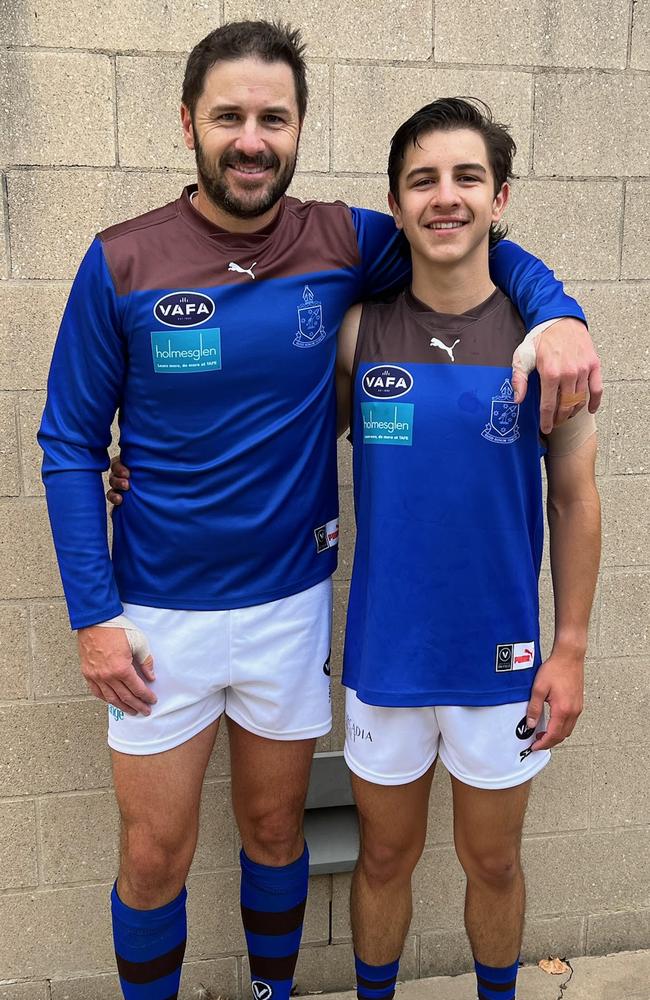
pixel 118 479
pixel 569 370
pixel 108 665
pixel 559 683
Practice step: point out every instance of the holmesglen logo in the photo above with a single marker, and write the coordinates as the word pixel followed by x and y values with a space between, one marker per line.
pixel 387 382
pixel 387 423
pixel 185 351
pixel 183 309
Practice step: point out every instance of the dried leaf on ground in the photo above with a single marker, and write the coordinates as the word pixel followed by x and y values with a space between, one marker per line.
pixel 554 966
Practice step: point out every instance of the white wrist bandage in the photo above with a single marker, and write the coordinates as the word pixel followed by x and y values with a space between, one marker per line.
pixel 525 357
pixel 137 639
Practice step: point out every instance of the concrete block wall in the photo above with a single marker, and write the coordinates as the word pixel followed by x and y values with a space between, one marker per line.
pixel 89 135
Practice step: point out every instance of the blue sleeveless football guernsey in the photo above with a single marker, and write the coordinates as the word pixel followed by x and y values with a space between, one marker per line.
pixel 217 349
pixel 447 486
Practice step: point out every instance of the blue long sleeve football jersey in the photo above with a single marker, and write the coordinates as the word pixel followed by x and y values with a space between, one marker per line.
pixel 217 350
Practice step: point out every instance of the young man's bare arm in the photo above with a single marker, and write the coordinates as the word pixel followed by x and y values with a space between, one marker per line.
pixel 574 528
pixel 345 349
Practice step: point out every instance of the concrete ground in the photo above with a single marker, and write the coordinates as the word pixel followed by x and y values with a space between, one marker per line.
pixel 625 976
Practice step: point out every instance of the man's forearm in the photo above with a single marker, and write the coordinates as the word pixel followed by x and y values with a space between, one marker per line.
pixel 575 555
pixel 77 510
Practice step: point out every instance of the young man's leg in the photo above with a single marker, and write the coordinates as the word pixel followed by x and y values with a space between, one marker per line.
pixel 487 832
pixel 393 825
pixel 269 787
pixel 487 752
pixel 391 753
pixel 159 797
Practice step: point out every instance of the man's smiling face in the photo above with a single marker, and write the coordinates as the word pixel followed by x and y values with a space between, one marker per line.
pixel 245 131
pixel 447 200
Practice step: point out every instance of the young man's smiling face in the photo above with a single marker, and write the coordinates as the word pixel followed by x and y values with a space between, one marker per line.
pixel 447 199
pixel 245 131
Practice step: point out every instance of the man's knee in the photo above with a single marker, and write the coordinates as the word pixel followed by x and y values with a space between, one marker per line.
pixel 272 832
pixel 152 859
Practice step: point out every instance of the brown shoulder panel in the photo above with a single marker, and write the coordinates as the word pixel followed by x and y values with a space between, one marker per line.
pixel 131 248
pixel 407 331
pixel 176 247
pixel 328 240
pixel 152 218
pixel 381 332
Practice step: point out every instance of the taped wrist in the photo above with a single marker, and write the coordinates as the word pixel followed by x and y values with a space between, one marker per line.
pixel 136 638
pixel 525 357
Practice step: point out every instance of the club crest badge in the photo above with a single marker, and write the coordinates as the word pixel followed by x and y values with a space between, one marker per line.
pixel 310 321
pixel 503 427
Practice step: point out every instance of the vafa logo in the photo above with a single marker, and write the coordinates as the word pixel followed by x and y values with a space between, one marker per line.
pixel 387 382
pixel 183 309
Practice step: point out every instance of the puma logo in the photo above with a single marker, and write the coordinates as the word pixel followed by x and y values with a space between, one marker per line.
pixel 242 270
pixel 443 347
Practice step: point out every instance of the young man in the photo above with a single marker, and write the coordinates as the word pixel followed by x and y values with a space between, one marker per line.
pixel 210 323
pixel 442 649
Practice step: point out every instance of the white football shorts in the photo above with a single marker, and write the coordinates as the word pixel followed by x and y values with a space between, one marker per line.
pixel 487 747
pixel 266 667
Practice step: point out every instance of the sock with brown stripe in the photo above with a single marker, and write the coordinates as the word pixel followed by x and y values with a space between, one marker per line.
pixel 375 982
pixel 496 983
pixel 149 948
pixel 272 908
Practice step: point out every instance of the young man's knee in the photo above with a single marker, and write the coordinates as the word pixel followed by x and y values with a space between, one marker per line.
pixel 497 867
pixel 385 861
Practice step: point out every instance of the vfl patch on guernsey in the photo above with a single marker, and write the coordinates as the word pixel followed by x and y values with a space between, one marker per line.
pixel 387 382
pixel 310 321
pixel 183 309
pixel 387 423
pixel 327 535
pixel 515 656
pixel 187 352
pixel 503 427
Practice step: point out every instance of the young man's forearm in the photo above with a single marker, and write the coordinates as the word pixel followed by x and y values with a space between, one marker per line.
pixel 575 555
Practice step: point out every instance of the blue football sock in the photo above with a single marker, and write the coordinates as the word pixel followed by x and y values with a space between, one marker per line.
pixel 149 948
pixel 375 982
pixel 272 908
pixel 496 984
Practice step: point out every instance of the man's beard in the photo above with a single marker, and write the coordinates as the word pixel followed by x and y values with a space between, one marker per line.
pixel 213 179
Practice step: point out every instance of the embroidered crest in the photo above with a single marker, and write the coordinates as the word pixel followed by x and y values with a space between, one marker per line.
pixel 310 321
pixel 504 417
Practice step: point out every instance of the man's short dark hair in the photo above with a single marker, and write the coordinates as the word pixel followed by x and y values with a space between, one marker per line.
pixel 446 115
pixel 264 40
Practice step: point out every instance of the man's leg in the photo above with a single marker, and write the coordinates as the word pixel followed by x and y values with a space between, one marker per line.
pixel 269 786
pixel 159 798
pixel 487 832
